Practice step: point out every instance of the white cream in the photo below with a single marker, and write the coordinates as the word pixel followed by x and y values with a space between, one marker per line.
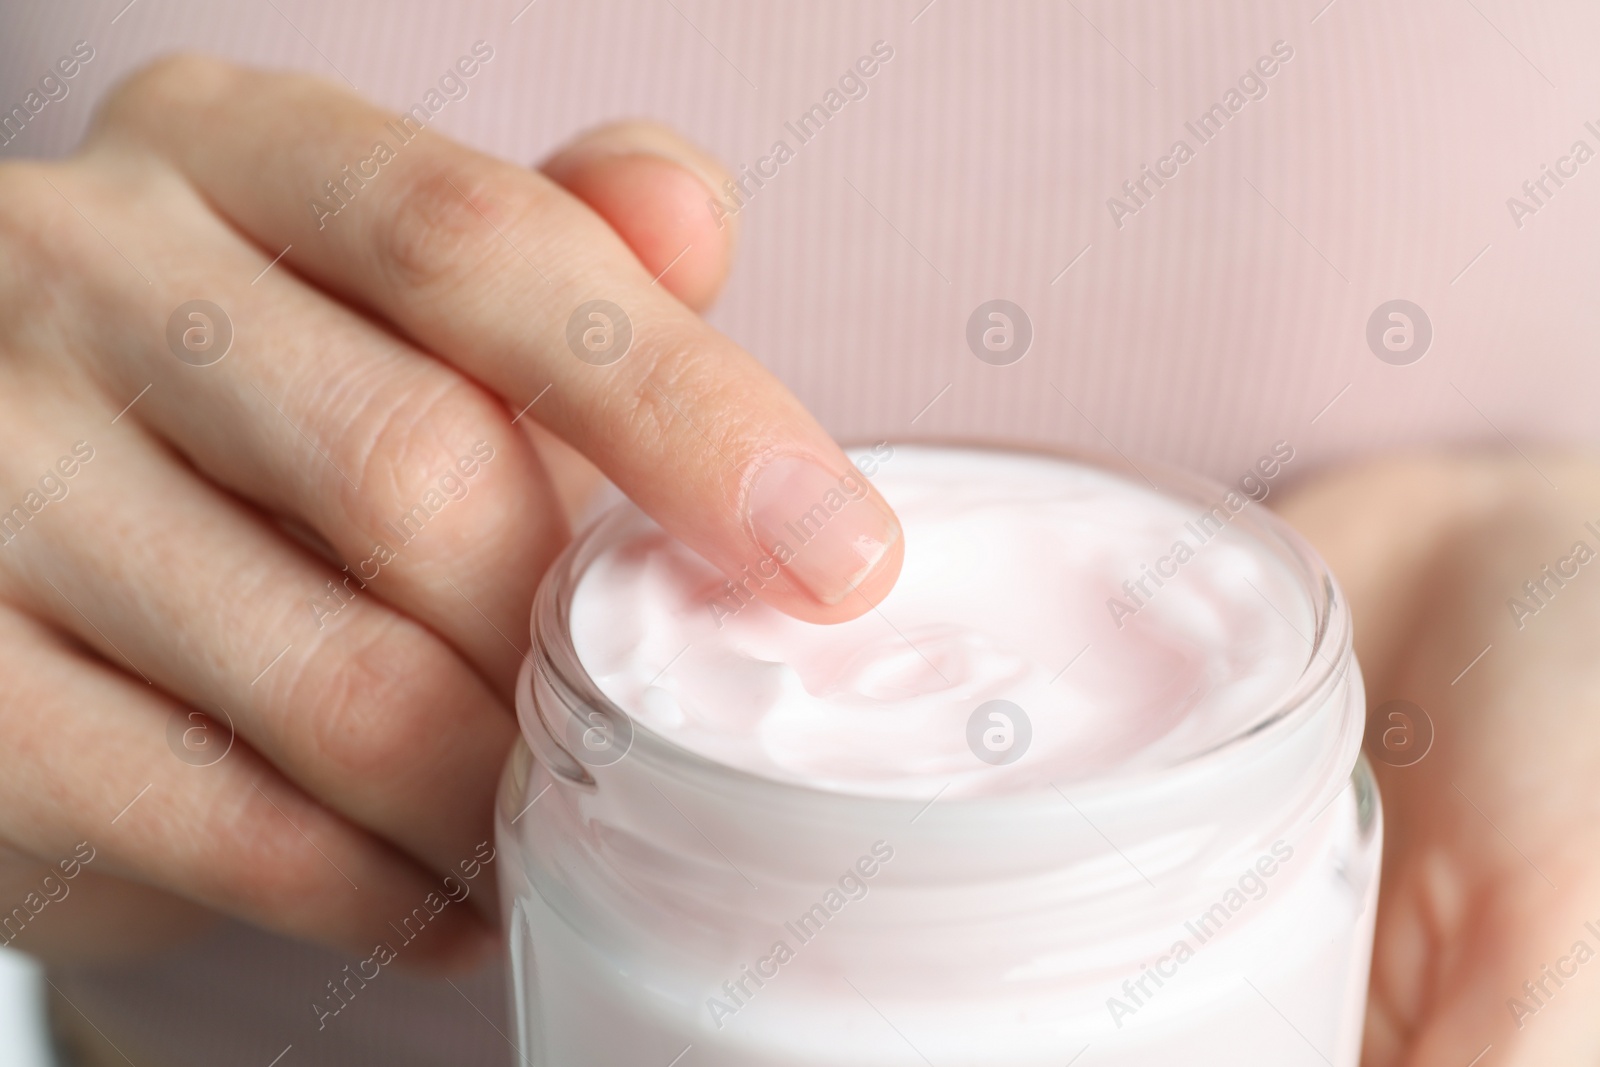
pixel 1013 566
pixel 789 852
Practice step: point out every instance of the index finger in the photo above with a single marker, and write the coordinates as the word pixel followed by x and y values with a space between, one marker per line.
pixel 501 272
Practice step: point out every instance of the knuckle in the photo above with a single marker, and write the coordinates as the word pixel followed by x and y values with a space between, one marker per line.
pixel 375 706
pixel 18 184
pixel 160 86
pixel 444 217
pixel 419 450
pixel 266 866
pixel 28 207
pixel 35 232
pixel 429 227
pixel 650 417
pixel 53 258
pixel 683 376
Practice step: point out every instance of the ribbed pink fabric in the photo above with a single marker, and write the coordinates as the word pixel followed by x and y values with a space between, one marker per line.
pixel 1221 317
pixel 1230 311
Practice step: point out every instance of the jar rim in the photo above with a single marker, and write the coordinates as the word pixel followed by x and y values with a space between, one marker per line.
pixel 556 661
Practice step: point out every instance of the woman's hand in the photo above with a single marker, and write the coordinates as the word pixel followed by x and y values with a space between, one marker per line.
pixel 327 530
pixel 1488 937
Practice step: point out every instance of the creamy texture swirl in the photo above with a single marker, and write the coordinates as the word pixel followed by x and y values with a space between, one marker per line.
pixel 1013 566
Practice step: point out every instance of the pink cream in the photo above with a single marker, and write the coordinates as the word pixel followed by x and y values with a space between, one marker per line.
pixel 1084 778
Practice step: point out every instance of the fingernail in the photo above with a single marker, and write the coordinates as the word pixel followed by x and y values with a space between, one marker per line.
pixel 827 530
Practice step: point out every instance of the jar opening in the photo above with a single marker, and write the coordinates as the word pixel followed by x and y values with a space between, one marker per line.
pixel 581 709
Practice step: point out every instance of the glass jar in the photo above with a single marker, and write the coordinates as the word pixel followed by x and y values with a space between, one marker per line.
pixel 665 909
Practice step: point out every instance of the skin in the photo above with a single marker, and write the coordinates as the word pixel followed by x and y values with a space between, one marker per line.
pixel 395 342
pixel 416 324
pixel 1429 549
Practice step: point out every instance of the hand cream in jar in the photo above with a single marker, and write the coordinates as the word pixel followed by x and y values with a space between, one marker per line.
pixel 1087 782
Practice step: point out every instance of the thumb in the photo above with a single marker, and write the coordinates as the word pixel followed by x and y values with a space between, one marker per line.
pixel 654 188
pixel 1494 973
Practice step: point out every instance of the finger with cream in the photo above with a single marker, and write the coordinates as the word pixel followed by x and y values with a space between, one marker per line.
pixel 1188 713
